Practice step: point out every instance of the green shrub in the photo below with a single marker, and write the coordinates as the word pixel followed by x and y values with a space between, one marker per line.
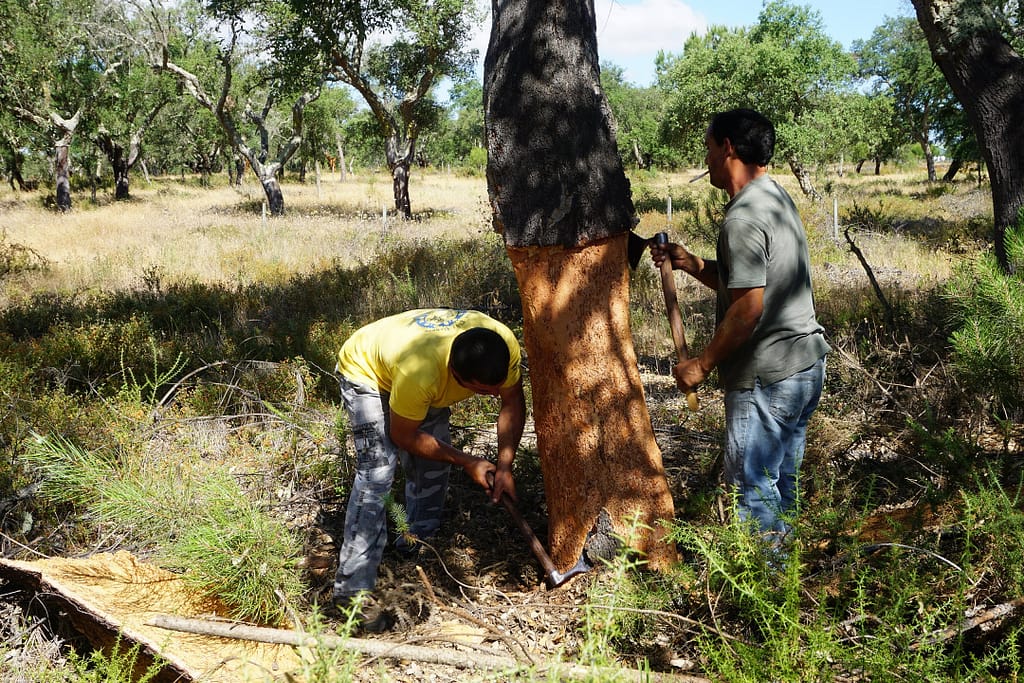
pixel 191 516
pixel 987 312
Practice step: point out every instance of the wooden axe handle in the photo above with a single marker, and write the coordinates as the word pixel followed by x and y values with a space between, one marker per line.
pixel 531 538
pixel 675 318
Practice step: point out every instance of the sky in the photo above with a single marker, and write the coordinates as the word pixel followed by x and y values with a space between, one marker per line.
pixel 631 32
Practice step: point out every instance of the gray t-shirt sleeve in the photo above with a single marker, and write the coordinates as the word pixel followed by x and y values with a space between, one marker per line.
pixel 746 246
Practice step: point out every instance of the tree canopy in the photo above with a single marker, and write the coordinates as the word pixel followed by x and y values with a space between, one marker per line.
pixel 784 66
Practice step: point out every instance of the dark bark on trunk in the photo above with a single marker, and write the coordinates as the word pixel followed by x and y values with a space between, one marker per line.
pixel 62 176
pixel 954 168
pixel 65 131
pixel 545 111
pixel 14 165
pixel 860 164
pixel 275 198
pixel 561 200
pixel 878 167
pixel 929 158
pixel 120 167
pixel 400 182
pixel 987 76
pixel 399 157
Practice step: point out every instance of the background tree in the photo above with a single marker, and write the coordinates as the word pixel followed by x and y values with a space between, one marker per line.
pixel 895 60
pixel 49 75
pixel 249 88
pixel 870 133
pixel 637 113
pixel 784 66
pixel 15 138
pixel 392 53
pixel 561 200
pixel 955 130
pixel 323 137
pixel 133 95
pixel 976 44
pixel 458 139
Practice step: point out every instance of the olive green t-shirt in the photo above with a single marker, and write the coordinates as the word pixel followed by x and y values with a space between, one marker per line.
pixel 763 244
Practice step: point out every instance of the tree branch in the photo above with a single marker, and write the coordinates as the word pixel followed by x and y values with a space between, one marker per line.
pixel 382 648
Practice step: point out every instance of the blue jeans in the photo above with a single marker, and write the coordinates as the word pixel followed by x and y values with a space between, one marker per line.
pixel 766 430
pixel 376 459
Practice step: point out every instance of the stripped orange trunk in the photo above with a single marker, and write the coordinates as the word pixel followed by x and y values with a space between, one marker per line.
pixel 594 433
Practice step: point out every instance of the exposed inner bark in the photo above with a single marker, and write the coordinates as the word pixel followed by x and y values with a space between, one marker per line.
pixel 594 433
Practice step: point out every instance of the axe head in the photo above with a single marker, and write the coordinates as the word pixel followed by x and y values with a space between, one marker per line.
pixel 556 578
pixel 636 248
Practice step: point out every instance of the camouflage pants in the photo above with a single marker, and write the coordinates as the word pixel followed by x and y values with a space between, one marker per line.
pixel 426 484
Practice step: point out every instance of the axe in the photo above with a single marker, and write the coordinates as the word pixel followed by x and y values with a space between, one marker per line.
pixel 552 577
pixel 636 248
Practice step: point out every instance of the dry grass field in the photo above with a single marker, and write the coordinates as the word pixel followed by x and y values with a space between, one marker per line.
pixel 182 232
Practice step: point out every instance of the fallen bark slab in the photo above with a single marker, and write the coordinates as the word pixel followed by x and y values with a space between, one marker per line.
pixel 380 648
pixel 109 597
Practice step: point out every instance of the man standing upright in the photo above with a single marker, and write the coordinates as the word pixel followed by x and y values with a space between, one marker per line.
pixel 768 346
pixel 399 376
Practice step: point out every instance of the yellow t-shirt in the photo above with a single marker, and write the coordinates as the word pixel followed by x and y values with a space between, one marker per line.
pixel 407 355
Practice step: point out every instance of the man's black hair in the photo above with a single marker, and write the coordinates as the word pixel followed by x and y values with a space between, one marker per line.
pixel 481 356
pixel 751 133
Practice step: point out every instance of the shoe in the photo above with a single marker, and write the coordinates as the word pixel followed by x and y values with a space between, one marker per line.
pixel 370 617
pixel 409 552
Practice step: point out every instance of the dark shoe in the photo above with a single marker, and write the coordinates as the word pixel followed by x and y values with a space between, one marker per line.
pixel 370 615
pixel 408 553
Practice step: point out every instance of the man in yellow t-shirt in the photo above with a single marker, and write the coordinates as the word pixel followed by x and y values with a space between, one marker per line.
pixel 399 376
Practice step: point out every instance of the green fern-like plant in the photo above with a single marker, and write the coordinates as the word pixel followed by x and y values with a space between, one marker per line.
pixel 189 516
pixel 987 311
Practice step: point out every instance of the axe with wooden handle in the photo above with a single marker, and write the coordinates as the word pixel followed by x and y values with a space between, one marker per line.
pixel 675 318
pixel 552 577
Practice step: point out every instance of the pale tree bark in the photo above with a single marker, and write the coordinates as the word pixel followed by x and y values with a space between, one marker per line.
pixel 341 157
pixel 123 160
pixel 803 178
pixel 266 169
pixel 65 132
pixel 987 77
pixel 561 200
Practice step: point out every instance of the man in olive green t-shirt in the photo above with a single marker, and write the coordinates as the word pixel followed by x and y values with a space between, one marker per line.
pixel 768 346
pixel 399 376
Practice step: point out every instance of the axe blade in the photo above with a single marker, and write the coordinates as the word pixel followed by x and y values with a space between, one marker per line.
pixel 636 248
pixel 556 578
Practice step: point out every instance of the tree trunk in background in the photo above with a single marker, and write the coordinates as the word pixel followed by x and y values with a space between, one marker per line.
pixel 987 77
pixel 803 178
pixel 399 154
pixel 272 190
pixel 341 158
pixel 929 157
pixel 62 160
pixel 561 200
pixel 62 176
pixel 954 167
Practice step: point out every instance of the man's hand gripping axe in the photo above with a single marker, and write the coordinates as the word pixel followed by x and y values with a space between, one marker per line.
pixel 668 287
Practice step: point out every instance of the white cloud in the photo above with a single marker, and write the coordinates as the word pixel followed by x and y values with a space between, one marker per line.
pixel 630 33
pixel 635 29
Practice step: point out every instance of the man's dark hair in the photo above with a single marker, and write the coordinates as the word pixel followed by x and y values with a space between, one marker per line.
pixel 751 133
pixel 481 356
